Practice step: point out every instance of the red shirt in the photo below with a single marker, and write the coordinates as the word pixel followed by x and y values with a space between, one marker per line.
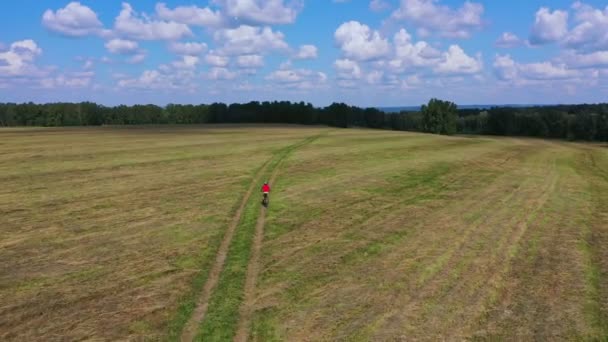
pixel 265 188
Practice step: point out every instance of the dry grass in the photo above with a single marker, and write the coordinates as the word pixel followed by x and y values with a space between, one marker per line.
pixel 371 235
pixel 104 231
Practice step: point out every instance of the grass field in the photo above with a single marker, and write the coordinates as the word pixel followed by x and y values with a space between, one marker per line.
pixel 157 233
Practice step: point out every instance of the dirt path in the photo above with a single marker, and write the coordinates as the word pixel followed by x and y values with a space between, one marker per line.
pixel 198 315
pixel 253 270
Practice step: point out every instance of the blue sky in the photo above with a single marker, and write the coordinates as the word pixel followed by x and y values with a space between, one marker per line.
pixel 362 52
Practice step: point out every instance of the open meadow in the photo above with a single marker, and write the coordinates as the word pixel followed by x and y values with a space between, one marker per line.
pixel 157 233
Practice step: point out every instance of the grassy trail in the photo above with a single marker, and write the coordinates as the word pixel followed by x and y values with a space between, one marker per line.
pixel 198 315
pixel 238 279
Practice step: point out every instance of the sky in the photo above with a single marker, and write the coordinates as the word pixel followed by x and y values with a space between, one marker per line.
pixel 361 52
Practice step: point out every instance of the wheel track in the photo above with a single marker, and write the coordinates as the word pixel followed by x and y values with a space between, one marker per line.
pixel 198 315
pixel 191 328
pixel 253 269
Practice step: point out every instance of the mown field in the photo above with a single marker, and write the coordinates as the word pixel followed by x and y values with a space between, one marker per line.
pixel 157 233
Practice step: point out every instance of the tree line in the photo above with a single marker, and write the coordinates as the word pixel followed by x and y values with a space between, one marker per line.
pixel 587 122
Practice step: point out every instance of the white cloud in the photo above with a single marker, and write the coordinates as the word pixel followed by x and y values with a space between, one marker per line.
pixel 250 61
pixel 148 79
pixel 128 24
pixel 591 60
pixel 378 5
pixel 190 15
pixel 549 26
pixel 189 49
pixel 138 58
pixel 307 52
pixel 75 20
pixel 507 69
pixel 546 71
pixel 347 69
pixel 71 80
pixel 221 74
pixel 256 12
pixel 122 46
pixel 285 76
pixel 300 79
pixel 250 40
pixel 347 84
pixel 383 79
pixel 187 62
pixel 18 60
pixel 359 42
pixel 216 60
pixel 455 61
pixel 508 40
pixel 167 77
pixel 88 65
pixel 591 30
pixel 409 55
pixel 430 17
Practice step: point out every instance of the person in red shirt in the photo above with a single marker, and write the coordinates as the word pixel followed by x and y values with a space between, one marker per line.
pixel 266 188
pixel 265 191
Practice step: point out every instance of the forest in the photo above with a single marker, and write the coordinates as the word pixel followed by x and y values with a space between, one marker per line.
pixel 583 122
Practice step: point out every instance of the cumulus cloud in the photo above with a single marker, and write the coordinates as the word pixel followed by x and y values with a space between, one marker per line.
pixel 378 5
pixel 130 25
pixel 189 48
pixel 591 30
pixel 190 15
pixel 247 39
pixel 508 40
pixel 347 69
pixel 598 59
pixel 306 52
pixel 122 46
pixel 260 12
pixel 138 58
pixel 216 60
pixel 221 74
pixel 187 62
pixel 74 20
pixel 19 59
pixel 546 71
pixel 411 55
pixel 301 79
pixel 166 77
pixel 88 65
pixel 506 69
pixel 549 26
pixel 359 42
pixel 456 62
pixel 70 80
pixel 429 17
pixel 250 61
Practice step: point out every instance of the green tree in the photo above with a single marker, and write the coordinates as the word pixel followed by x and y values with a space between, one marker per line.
pixel 439 117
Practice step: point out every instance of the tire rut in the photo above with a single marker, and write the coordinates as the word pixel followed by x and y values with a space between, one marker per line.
pixel 198 315
pixel 253 269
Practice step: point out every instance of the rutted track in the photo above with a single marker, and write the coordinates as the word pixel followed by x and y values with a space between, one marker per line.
pixel 192 327
pixel 198 315
pixel 252 272
pixel 253 268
